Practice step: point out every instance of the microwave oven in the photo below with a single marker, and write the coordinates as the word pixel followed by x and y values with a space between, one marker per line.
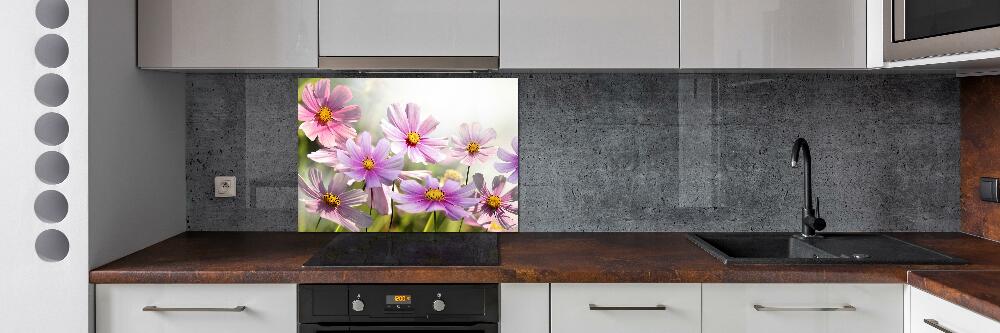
pixel 915 29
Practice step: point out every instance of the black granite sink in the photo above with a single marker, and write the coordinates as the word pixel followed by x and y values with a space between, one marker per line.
pixel 832 248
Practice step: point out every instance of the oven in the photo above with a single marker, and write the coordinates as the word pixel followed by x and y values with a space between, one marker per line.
pixel 386 308
pixel 916 29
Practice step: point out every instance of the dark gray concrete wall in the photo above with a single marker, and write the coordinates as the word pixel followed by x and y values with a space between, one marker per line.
pixel 640 152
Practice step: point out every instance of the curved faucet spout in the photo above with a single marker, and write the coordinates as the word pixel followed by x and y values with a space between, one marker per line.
pixel 807 188
pixel 810 222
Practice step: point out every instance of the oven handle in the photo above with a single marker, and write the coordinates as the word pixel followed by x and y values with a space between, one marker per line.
pixel 485 328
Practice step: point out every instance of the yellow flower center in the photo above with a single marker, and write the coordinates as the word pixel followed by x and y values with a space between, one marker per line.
pixel 434 194
pixel 493 201
pixel 324 114
pixel 412 138
pixel 472 148
pixel 496 226
pixel 368 163
pixel 331 199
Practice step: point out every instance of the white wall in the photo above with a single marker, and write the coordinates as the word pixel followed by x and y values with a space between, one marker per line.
pixel 124 187
pixel 137 185
pixel 38 295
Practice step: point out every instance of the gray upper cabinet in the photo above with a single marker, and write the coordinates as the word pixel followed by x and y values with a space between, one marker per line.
pixel 408 28
pixel 192 34
pixel 581 34
pixel 774 34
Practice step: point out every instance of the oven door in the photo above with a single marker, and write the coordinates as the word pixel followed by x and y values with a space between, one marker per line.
pixel 916 29
pixel 474 328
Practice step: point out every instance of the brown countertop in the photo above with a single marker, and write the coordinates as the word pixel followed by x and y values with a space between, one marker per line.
pixel 975 290
pixel 275 257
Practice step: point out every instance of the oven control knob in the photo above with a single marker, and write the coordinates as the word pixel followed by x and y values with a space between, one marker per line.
pixel 438 305
pixel 358 305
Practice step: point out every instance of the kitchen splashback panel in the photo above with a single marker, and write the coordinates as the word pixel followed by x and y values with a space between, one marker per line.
pixel 407 154
pixel 639 152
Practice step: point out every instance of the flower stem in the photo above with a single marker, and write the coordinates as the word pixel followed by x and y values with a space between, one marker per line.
pixel 392 211
pixel 371 203
pixel 316 228
pixel 467 175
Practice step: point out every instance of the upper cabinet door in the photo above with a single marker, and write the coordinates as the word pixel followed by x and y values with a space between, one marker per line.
pixel 571 34
pixel 408 28
pixel 227 34
pixel 773 34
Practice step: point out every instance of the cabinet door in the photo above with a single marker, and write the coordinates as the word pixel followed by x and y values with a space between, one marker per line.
pixel 773 34
pixel 802 308
pixel 407 28
pixel 268 308
pixel 930 314
pixel 626 307
pixel 589 34
pixel 227 34
pixel 524 308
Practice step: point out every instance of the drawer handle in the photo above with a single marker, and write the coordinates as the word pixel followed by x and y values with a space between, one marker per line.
pixel 657 307
pixel 154 308
pixel 935 324
pixel 759 307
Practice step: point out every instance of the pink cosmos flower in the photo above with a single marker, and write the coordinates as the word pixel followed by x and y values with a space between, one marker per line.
pixel 324 115
pixel 493 224
pixel 414 174
pixel 471 144
pixel 334 201
pixel 508 162
pixel 410 135
pixel 381 195
pixel 451 197
pixel 363 162
pixel 497 206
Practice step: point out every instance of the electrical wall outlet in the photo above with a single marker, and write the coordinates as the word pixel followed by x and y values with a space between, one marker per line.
pixel 988 189
pixel 225 187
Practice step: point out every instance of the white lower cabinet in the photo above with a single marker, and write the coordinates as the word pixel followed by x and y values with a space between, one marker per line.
pixel 524 308
pixel 930 314
pixel 802 308
pixel 625 307
pixel 196 308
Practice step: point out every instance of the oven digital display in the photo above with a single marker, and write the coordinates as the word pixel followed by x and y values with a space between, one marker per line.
pixel 398 299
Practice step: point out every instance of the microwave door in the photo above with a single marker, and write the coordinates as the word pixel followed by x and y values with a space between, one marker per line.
pixel 916 19
pixel 916 29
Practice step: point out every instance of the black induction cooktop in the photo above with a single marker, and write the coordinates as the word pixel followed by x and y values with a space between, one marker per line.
pixel 408 249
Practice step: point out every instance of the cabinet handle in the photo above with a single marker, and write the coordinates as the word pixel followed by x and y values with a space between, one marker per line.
pixel 848 307
pixel 159 309
pixel 935 324
pixel 595 307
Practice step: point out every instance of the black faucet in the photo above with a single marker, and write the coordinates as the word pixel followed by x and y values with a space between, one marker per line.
pixel 810 221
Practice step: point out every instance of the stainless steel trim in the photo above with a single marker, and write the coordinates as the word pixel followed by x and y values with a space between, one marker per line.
pixel 658 307
pixel 848 307
pixel 898 20
pixel 154 308
pixel 410 63
pixel 935 324
pixel 957 43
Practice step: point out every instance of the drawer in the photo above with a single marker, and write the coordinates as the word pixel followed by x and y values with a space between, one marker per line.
pixel 625 307
pixel 948 316
pixel 802 308
pixel 269 308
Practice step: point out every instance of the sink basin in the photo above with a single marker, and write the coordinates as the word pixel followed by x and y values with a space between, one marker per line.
pixel 835 248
